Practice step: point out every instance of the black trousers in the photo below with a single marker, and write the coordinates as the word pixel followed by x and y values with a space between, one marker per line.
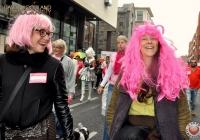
pixel 99 79
pixel 130 132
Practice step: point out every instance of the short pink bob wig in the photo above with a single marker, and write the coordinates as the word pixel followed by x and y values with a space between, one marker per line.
pixel 23 26
pixel 172 77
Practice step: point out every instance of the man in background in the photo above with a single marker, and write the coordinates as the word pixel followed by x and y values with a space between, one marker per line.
pixel 194 77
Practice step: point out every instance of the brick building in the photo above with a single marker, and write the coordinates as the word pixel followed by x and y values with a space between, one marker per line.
pixel 194 44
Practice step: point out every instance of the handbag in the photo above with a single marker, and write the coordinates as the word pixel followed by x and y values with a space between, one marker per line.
pixel 12 97
pixel 98 71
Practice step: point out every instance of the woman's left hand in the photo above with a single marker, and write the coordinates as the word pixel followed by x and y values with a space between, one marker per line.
pixel 70 99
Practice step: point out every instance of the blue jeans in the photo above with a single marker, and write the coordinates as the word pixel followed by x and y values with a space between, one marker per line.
pixel 191 96
pixel 105 133
pixel 58 127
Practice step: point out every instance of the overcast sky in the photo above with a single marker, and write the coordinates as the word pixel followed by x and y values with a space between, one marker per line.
pixel 179 18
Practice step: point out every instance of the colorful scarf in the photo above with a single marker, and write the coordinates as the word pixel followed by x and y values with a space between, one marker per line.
pixel 118 62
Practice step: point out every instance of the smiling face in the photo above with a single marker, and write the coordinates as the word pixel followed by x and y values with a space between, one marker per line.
pixel 149 46
pixel 58 50
pixel 38 42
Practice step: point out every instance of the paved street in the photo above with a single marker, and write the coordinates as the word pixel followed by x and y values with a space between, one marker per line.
pixel 89 114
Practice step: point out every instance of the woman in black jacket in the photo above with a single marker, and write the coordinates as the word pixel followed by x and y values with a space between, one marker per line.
pixel 30 114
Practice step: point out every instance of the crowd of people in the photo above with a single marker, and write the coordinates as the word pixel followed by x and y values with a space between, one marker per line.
pixel 144 85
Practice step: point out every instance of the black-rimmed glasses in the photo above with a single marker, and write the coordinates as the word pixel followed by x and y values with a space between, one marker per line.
pixel 43 33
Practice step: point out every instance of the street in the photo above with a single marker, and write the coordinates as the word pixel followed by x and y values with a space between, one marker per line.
pixel 89 113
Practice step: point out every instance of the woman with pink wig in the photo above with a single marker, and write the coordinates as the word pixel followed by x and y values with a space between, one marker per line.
pixel 149 101
pixel 30 114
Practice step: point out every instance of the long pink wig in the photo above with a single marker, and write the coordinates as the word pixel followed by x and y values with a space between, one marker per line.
pixel 21 29
pixel 172 75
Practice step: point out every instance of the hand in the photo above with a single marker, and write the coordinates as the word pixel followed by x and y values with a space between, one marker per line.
pixel 70 99
pixel 100 89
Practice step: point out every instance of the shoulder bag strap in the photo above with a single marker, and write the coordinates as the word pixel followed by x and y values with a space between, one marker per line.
pixel 14 93
pixel 62 58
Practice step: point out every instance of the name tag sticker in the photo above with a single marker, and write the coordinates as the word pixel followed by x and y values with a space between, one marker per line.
pixel 38 78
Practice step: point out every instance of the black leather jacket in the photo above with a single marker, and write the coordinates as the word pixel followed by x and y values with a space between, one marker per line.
pixel 34 101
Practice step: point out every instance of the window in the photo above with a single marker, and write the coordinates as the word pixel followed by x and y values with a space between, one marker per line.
pixel 139 15
pixel 120 15
pixel 56 23
pixel 121 23
pixel 89 34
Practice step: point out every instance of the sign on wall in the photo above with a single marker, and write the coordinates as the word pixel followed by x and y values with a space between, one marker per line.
pixel 106 53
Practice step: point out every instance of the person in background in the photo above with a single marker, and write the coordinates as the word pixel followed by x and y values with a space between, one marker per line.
pixel 112 74
pixel 80 66
pixel 87 74
pixel 59 51
pixel 105 90
pixel 194 76
pixel 75 62
pixel 98 73
pixel 30 114
pixel 150 90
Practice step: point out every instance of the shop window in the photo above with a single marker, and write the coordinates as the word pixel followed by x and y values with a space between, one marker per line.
pixel 55 37
pixel 73 32
pixel 89 34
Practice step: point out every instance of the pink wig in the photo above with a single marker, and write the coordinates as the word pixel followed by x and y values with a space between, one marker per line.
pixel 171 76
pixel 23 26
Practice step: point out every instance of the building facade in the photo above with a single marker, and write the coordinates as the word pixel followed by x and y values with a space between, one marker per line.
pixel 75 20
pixel 143 14
pixel 128 16
pixel 107 39
pixel 194 44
